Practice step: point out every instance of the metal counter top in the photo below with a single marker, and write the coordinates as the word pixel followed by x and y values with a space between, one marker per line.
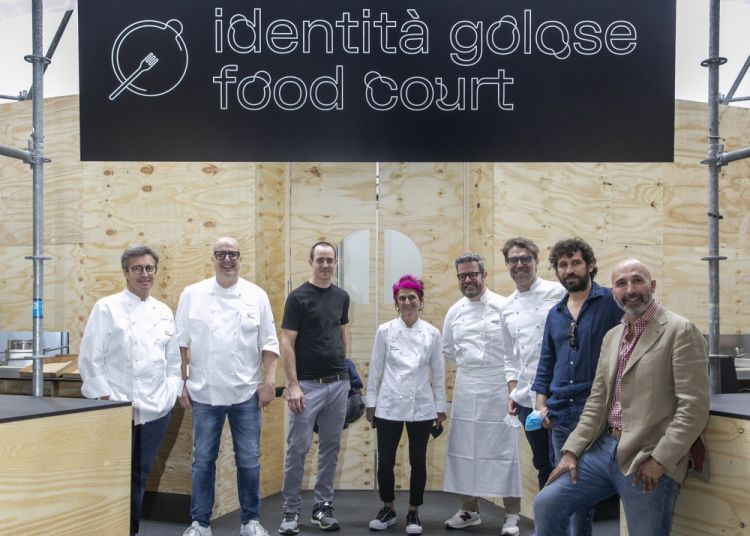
pixel 20 407
pixel 734 405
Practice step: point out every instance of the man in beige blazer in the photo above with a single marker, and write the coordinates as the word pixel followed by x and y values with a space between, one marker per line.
pixel 648 404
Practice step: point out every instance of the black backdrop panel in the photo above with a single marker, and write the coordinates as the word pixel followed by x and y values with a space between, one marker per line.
pixel 392 80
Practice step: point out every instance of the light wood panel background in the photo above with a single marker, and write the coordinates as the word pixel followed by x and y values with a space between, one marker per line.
pixel 719 505
pixel 67 474
pixel 656 212
pixel 725 496
pixel 327 203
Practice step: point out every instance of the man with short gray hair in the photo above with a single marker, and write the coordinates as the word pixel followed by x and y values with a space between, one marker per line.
pixel 482 453
pixel 129 351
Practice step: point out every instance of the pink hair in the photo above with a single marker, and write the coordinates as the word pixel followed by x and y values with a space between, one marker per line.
pixel 410 282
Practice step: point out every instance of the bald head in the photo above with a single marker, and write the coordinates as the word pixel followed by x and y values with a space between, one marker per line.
pixel 632 287
pixel 228 242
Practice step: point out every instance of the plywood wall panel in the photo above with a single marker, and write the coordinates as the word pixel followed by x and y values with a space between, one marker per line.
pixel 426 201
pixel 734 198
pixel 685 206
pixel 63 279
pixel 635 199
pixel 479 200
pixel 724 496
pixel 328 202
pixel 685 281
pixel 691 129
pixel 270 261
pixel 61 176
pixel 545 199
pixel 67 474
pixel 168 200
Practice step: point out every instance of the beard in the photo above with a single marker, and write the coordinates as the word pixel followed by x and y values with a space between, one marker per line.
pixel 471 291
pixel 635 310
pixel 576 285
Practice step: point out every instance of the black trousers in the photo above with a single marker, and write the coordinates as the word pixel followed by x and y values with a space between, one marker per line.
pixel 389 435
pixel 541 448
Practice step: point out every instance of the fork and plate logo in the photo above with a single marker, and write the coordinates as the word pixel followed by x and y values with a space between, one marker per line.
pixel 149 58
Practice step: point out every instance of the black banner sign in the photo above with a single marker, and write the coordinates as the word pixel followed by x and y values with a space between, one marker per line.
pixel 388 80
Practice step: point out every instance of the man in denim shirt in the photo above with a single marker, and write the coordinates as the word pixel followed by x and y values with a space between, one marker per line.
pixel 572 341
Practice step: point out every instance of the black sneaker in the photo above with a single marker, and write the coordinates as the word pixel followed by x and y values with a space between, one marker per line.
pixel 385 518
pixel 413 525
pixel 323 517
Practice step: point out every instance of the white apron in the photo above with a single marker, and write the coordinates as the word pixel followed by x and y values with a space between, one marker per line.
pixel 482 454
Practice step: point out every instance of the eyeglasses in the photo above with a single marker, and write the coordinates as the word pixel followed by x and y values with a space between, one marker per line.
pixel 573 335
pixel 138 269
pixel 224 254
pixel 468 275
pixel 523 259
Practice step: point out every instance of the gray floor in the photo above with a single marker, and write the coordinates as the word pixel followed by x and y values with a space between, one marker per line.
pixel 354 509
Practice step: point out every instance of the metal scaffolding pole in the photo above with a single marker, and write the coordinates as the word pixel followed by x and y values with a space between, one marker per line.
pixel 38 61
pixel 714 150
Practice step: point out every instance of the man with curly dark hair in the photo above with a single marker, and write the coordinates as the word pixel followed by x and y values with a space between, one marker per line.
pixel 571 344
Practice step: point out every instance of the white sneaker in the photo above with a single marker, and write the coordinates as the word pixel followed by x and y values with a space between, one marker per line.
pixel 463 519
pixel 253 528
pixel 510 525
pixel 197 530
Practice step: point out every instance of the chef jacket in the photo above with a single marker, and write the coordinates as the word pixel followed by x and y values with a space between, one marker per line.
pixel 129 351
pixel 524 315
pixel 226 330
pixel 473 333
pixel 403 359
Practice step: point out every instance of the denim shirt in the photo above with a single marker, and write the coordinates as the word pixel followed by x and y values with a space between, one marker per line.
pixel 565 375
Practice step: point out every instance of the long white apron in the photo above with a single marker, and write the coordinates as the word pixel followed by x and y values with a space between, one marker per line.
pixel 482 454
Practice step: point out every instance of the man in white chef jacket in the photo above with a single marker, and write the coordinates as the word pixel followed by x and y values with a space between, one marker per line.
pixel 129 351
pixel 524 315
pixel 227 324
pixel 482 454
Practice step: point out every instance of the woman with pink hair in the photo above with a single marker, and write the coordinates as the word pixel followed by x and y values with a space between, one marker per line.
pixel 405 387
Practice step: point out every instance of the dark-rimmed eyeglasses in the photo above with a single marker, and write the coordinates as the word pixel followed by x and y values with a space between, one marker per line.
pixel 573 335
pixel 473 276
pixel 138 269
pixel 523 259
pixel 226 254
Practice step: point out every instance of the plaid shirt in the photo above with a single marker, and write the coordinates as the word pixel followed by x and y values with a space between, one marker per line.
pixel 627 344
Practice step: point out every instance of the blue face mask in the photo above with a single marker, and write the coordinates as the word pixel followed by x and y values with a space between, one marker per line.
pixel 533 421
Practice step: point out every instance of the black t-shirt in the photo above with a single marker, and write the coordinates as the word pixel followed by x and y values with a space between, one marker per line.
pixel 317 314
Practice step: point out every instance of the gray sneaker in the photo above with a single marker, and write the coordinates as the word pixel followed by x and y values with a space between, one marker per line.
pixel 290 524
pixel 323 517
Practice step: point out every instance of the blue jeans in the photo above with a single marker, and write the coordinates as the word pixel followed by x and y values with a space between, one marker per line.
pixel 541 448
pixel 599 477
pixel 146 440
pixel 581 522
pixel 244 422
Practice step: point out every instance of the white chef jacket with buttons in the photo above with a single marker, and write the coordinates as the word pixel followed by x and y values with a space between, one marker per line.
pixel 482 453
pixel 226 330
pixel 129 351
pixel 403 359
pixel 524 315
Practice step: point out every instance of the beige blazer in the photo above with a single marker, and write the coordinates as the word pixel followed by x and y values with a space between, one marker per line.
pixel 665 395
